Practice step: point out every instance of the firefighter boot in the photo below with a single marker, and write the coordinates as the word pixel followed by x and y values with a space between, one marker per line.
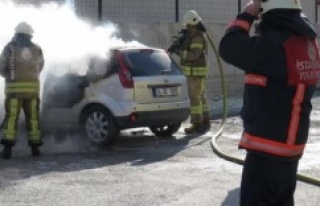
pixel 194 128
pixel 35 151
pixel 206 125
pixel 6 152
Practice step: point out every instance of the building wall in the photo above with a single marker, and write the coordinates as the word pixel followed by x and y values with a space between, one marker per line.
pixel 153 22
pixel 309 9
pixel 36 2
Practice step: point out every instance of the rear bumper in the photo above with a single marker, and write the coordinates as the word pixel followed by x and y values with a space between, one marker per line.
pixel 145 119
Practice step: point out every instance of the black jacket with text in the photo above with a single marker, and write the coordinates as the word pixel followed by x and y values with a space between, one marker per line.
pixel 281 66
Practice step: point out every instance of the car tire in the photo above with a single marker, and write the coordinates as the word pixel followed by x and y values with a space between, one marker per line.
pixel 165 130
pixel 99 125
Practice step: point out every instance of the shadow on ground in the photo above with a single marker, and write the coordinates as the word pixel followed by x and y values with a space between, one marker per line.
pixel 74 153
pixel 232 197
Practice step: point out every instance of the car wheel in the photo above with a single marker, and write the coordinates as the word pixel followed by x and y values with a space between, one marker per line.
pixel 166 130
pixel 100 126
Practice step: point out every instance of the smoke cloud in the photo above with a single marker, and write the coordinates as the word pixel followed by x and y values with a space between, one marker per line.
pixel 67 41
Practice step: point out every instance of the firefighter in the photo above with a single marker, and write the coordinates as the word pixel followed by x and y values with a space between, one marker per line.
pixel 21 62
pixel 192 48
pixel 281 67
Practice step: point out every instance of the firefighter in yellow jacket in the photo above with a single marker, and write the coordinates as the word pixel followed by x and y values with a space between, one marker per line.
pixel 192 48
pixel 21 62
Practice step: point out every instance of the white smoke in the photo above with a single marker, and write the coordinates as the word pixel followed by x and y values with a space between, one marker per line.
pixel 67 41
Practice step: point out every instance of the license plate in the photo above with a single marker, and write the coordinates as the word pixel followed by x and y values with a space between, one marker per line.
pixel 165 91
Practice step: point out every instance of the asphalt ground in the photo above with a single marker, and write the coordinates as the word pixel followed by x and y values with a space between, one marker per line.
pixel 141 169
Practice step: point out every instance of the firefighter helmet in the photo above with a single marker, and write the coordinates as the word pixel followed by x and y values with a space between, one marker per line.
pixel 268 5
pixel 24 28
pixel 191 17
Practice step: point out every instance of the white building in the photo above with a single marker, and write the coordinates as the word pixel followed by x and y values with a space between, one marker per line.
pixel 153 22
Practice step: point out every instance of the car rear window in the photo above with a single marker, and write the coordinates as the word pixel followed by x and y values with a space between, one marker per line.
pixel 148 62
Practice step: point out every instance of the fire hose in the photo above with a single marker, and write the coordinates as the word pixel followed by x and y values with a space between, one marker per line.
pixel 216 149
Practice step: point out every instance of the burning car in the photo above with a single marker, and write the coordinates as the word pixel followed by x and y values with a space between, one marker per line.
pixel 137 87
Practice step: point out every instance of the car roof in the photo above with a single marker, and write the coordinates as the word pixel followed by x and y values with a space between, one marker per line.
pixel 131 48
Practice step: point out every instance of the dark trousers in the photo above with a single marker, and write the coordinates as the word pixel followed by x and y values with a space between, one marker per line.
pixel 268 181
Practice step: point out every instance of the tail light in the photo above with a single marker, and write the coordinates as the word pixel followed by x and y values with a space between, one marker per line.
pixel 133 117
pixel 124 74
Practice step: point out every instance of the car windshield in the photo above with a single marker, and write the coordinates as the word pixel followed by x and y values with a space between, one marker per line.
pixel 148 62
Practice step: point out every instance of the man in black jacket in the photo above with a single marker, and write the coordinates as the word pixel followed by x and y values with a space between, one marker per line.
pixel 281 67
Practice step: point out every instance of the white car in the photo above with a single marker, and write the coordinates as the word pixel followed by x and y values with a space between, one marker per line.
pixel 138 87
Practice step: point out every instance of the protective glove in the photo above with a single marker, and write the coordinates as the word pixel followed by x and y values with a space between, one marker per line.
pixel 201 27
pixel 174 48
pixel 179 39
pixel 182 34
pixel 253 7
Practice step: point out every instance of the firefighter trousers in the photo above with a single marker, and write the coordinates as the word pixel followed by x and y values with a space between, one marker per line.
pixel 200 110
pixel 10 122
pixel 268 181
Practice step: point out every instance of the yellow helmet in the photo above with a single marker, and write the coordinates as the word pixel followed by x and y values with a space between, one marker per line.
pixel 24 28
pixel 268 5
pixel 191 17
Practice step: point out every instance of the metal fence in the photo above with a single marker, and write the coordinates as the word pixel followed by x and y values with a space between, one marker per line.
pixel 166 11
pixel 170 10
pixel 35 2
pixel 157 11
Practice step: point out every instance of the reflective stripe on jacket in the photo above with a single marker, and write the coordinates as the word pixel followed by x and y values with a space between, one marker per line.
pixel 21 66
pixel 281 70
pixel 22 87
pixel 193 55
pixel 289 146
pixel 272 147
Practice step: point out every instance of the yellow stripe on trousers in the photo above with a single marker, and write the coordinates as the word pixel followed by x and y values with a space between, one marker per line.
pixel 34 133
pixel 10 127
